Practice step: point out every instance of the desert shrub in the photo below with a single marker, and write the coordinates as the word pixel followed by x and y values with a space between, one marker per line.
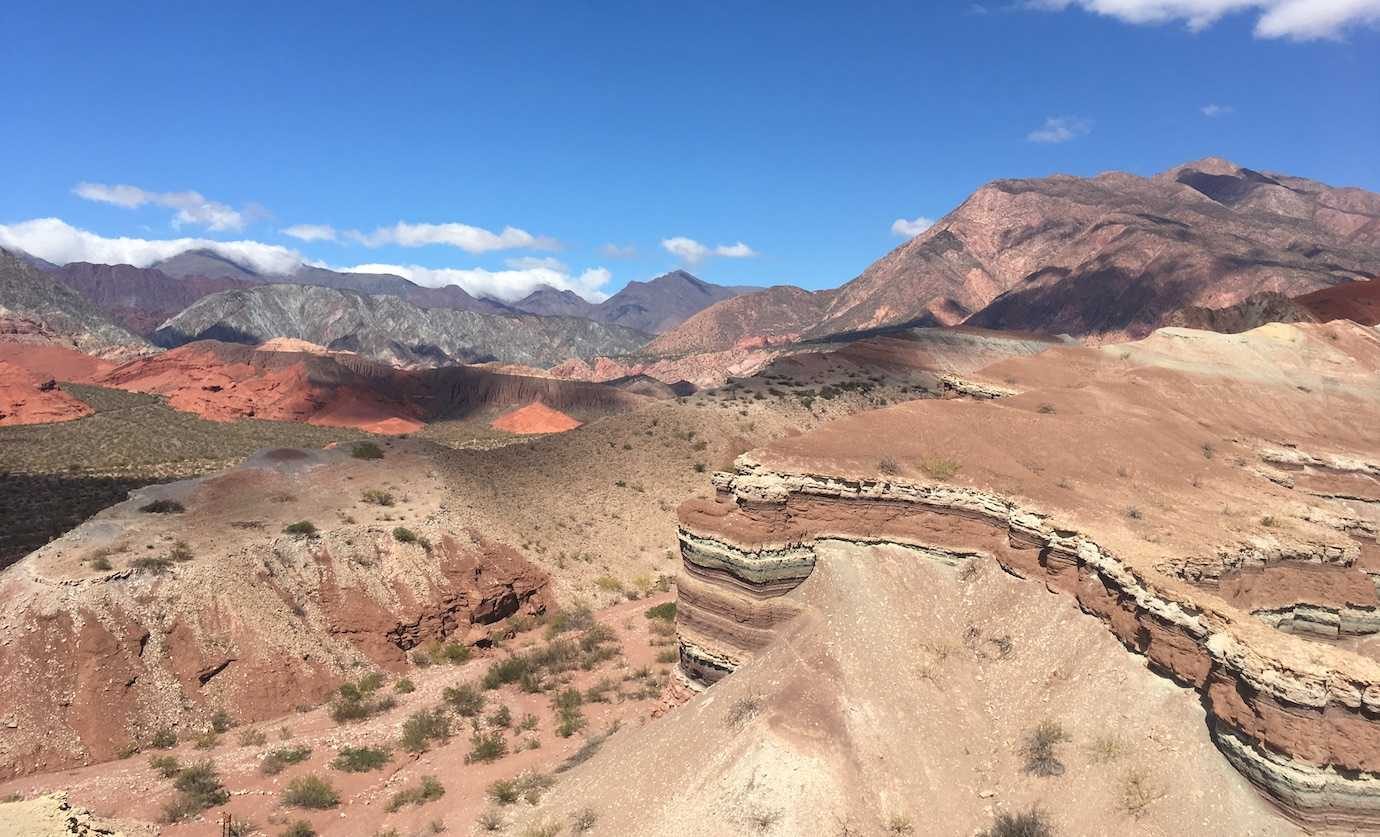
pixel 163 507
pixel 567 705
pixel 599 692
pixel 490 821
pixel 1032 823
pixel 582 820
pixel 455 653
pixel 402 534
pixel 366 450
pixel 276 761
pixel 404 687
pixel 466 699
pixel 206 740
pixel 504 791
pixel 500 718
pixel 300 828
pixel 742 710
pixel 181 552
pixel 101 563
pixel 899 825
pixel 888 465
pixel 1040 756
pixel 575 618
pixel 198 788
pixel 303 528
pixel 665 612
pixel 153 565
pixel 377 497
pixel 166 766
pixel 608 584
pixel 310 792
pixel 253 738
pixel 1137 793
pixel 1134 513
pixel 429 789
pixel 424 726
pixel 486 747
pixel 940 468
pixel 545 829
pixel 1047 408
pixel 360 759
pixel 164 739
pixel 221 721
pixel 357 701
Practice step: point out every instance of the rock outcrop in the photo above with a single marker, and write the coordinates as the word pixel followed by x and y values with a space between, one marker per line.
pixel 150 617
pixel 1136 480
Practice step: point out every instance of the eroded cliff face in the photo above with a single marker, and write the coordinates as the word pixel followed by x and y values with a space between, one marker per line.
pixel 1217 568
pixel 138 621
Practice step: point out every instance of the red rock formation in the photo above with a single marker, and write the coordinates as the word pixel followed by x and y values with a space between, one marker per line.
pixel 27 399
pixel 534 418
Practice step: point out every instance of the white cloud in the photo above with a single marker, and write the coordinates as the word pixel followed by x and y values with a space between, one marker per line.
pixel 59 242
pixel 1060 129
pixel 615 251
pixel 462 236
pixel 691 251
pixel 1300 20
pixel 311 232
pixel 507 285
pixel 911 227
pixel 192 207
pixel 1211 111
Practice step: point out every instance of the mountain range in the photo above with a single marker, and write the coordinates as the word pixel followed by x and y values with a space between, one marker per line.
pixel 1106 257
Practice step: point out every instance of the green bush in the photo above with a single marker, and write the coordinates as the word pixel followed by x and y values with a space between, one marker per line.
pixel 167 766
pixel 304 528
pixel 665 612
pixel 360 759
pixel 429 789
pixel 486 747
pixel 377 497
pixel 402 534
pixel 366 450
pixel 300 828
pixel 221 721
pixel 423 727
pixel 310 792
pixel 164 739
pixel 465 699
pixel 276 761
pixel 404 687
pixel 198 788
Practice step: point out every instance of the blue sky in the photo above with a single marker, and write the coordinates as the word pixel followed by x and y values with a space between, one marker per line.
pixel 788 138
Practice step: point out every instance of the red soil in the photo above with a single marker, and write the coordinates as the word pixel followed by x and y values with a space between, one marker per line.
pixel 52 361
pixel 535 418
pixel 25 398
pixel 1358 301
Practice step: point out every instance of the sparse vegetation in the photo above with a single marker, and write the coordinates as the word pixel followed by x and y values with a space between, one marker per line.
pixel 429 789
pixel 423 727
pixel 888 465
pixel 366 450
pixel 1137 793
pixel 402 534
pixel 302 528
pixel 583 820
pixel 311 792
pixel 278 760
pixel 163 507
pixel 466 699
pixel 300 828
pixel 940 468
pixel 153 565
pixel 1041 759
pixel 357 701
pixel 377 497
pixel 665 612
pixel 742 710
pixel 253 738
pixel 360 759
pixel 164 739
pixel 1031 823
pixel 404 687
pixel 198 788
pixel 486 747
pixel 165 766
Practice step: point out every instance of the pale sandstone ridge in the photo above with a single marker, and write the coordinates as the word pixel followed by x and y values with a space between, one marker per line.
pixel 1141 480
pixel 98 652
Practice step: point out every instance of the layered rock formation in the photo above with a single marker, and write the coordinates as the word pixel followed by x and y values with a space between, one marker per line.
pixel 34 308
pixel 1136 480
